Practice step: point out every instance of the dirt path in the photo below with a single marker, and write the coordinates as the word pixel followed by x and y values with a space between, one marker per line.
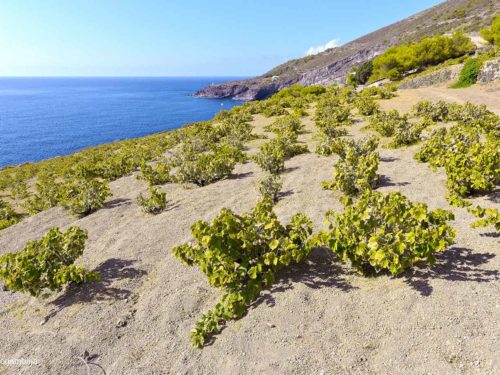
pixel 478 94
pixel 320 318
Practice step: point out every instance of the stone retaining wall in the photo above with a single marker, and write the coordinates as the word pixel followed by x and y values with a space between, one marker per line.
pixel 489 72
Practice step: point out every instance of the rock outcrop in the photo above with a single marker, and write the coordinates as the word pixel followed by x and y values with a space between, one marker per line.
pixel 490 71
pixel 433 78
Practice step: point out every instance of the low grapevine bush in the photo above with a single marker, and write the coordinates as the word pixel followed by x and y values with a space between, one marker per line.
pixel 471 164
pixel 387 232
pixel 407 133
pixel 286 124
pixel 385 123
pixel 8 216
pixel 367 106
pixel 269 187
pixel 158 174
pixel 271 158
pixel 48 194
pixel 467 112
pixel 155 203
pixel 83 196
pixel 330 111
pixel 431 111
pixel 328 139
pixel 273 154
pixel 205 168
pixel 241 255
pixel 356 170
pixel 486 216
pixel 47 263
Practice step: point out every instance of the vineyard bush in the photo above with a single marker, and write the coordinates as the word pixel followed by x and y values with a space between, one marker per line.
pixel 286 124
pixel 367 106
pixel 385 123
pixel 331 112
pixel 328 138
pixel 269 187
pixel 85 195
pixel 378 92
pixel 8 216
pixel 273 154
pixel 205 168
pixel 356 171
pixel 241 254
pixel 407 133
pixel 271 158
pixel 155 203
pixel 486 216
pixel 47 263
pixel 48 194
pixel 431 111
pixel 471 164
pixel 158 174
pixel 387 232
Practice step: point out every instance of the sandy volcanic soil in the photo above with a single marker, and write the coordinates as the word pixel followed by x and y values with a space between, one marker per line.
pixel 320 318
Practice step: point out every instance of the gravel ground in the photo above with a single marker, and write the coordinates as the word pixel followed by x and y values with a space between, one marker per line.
pixel 320 318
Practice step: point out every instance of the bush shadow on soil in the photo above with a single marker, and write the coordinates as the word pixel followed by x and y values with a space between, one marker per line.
pixel 110 271
pixel 455 264
pixel 319 271
pixel 385 181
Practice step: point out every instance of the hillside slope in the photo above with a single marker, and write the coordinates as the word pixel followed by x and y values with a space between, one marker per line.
pixel 319 318
pixel 332 65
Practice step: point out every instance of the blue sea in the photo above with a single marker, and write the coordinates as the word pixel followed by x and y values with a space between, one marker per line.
pixel 42 118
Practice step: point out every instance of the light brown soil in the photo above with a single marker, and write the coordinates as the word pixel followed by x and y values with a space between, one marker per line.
pixel 319 318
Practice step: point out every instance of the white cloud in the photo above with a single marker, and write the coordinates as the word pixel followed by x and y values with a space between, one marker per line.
pixel 331 44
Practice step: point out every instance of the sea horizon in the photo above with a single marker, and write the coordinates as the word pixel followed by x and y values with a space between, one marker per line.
pixel 49 116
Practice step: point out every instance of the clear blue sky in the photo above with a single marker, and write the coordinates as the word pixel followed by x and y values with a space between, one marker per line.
pixel 179 38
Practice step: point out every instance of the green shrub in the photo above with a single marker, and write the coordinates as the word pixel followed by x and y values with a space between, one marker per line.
pixel 286 124
pixel 328 138
pixel 356 171
pixel 330 112
pixel 158 174
pixel 47 263
pixel 8 216
pixel 363 72
pixel 407 133
pixel 387 232
pixel 269 187
pixel 155 203
pixel 472 165
pixel 83 196
pixel 431 111
pixel 367 106
pixel 271 158
pixel 492 33
pixel 273 154
pixel 379 92
pixel 486 216
pixel 48 194
pixel 19 191
pixel 241 254
pixel 385 123
pixel 469 73
pixel 396 61
pixel 205 168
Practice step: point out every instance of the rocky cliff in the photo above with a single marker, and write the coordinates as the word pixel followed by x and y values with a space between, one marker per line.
pixel 332 65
